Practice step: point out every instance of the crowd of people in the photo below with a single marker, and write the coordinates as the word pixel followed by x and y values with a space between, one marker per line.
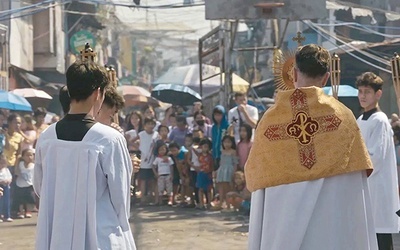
pixel 18 137
pixel 190 159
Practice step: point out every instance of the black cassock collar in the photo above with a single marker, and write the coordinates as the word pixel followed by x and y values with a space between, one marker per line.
pixel 367 115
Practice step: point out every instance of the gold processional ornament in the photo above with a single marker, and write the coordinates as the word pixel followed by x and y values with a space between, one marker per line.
pixel 395 65
pixel 334 68
pixel 284 66
pixel 87 53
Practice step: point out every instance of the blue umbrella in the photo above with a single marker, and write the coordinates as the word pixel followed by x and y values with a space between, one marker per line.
pixel 344 91
pixel 175 94
pixel 14 102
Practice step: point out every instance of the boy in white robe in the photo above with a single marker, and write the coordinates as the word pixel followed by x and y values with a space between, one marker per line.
pixel 82 173
pixel 307 169
pixel 378 136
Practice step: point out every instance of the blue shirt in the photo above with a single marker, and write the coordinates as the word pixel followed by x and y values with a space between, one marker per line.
pixel 182 152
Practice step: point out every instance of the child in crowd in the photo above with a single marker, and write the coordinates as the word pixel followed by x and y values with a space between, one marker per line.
pixel 204 173
pixel 178 156
pixel 228 166
pixel 5 181
pixel 244 145
pixel 192 160
pixel 24 194
pixel 148 138
pixel 240 197
pixel 163 171
pixel 163 132
pixel 219 129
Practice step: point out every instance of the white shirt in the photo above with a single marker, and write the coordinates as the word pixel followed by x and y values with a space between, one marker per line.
pixel 25 176
pixel 233 114
pixel 163 168
pixel 146 147
pixel 5 175
pixel 383 185
pixel 131 133
pixel 84 190
pixel 195 158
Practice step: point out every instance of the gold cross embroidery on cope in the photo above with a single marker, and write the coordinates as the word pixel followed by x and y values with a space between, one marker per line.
pixel 303 128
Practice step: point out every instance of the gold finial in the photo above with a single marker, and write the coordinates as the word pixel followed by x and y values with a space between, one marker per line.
pixel 395 65
pixel 335 74
pixel 87 53
pixel 112 74
pixel 299 39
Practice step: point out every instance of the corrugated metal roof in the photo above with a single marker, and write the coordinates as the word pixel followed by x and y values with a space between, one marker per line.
pixel 390 16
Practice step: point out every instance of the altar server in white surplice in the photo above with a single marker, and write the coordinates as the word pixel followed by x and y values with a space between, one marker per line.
pixel 307 169
pixel 378 136
pixel 82 173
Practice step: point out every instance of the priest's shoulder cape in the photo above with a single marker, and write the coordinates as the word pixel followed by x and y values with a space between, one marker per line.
pixel 305 136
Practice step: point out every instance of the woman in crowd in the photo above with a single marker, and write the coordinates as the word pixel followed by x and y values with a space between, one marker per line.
pixel 14 139
pixel 134 126
pixel 27 130
pixel 167 121
pixel 149 113
pixel 200 123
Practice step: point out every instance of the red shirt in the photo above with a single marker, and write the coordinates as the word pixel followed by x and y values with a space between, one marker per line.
pixel 206 163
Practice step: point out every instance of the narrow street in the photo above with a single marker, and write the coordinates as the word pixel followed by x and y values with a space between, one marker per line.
pixel 161 228
pixel 156 228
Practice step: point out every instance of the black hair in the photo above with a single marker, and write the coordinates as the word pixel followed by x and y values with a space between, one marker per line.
pixel 129 125
pixel 162 126
pixel 205 141
pixel 249 130
pixel 189 135
pixel 158 145
pixel 312 60
pixel 84 78
pixel 12 117
pixel 217 110
pixel 369 79
pixel 40 111
pixel 149 120
pixel 64 99
pixel 146 107
pixel 232 139
pixel 181 119
pixel 113 99
pixel 173 145
pixel 200 112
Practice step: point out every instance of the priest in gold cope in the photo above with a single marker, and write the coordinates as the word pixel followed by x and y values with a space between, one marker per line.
pixel 308 167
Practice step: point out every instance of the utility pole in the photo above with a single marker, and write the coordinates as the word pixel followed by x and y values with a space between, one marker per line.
pixel 227 63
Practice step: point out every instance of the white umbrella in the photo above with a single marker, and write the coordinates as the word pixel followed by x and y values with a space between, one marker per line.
pixel 31 93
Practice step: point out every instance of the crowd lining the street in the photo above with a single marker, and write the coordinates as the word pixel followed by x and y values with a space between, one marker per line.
pixel 191 160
